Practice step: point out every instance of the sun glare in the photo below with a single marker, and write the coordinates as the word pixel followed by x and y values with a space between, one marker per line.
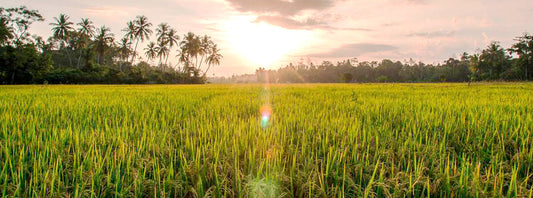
pixel 261 43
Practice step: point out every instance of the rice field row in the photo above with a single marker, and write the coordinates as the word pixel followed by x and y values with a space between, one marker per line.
pixel 348 140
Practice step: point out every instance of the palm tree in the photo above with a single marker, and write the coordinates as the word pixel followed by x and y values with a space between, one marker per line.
pixel 103 39
pixel 167 37
pixel 86 31
pixel 524 49
pixel 213 58
pixel 183 58
pixel 130 30
pixel 142 32
pixel 61 31
pixel 205 46
pixel 86 27
pixel 172 40
pixel 62 28
pixel 493 61
pixel 151 51
pixel 162 41
pixel 172 37
pixel 190 47
pixel 161 32
pixel 162 51
pixel 124 50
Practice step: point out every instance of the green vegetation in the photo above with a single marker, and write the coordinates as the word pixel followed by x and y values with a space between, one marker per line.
pixel 493 64
pixel 342 140
pixel 81 53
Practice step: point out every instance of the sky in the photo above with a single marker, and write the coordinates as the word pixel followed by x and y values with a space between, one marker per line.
pixel 273 33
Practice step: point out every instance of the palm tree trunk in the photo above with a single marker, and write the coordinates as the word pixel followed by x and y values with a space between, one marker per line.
pixel 196 61
pixel 69 58
pixel 68 54
pixel 160 57
pixel 201 61
pixel 208 67
pixel 134 51
pixel 79 58
pixel 121 62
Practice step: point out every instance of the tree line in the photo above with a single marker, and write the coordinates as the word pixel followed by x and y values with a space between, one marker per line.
pixel 83 53
pixel 491 64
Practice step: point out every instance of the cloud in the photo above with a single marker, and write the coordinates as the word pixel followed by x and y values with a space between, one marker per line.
pixel 289 23
pixel 356 49
pixel 432 34
pixel 283 13
pixel 309 23
pixel 281 7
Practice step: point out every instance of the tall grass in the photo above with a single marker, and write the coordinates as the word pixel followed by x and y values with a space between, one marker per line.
pixel 415 140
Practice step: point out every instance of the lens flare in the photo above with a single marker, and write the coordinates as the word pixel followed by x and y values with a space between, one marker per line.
pixel 266 112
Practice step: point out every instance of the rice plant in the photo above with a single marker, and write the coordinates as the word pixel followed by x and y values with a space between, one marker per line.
pixel 349 140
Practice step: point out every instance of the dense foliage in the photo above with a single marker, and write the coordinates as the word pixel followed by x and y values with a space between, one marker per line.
pixel 398 140
pixel 82 53
pixel 493 63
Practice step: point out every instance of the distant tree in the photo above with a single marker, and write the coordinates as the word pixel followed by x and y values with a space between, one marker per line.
pixel 22 64
pixel 491 63
pixel 161 32
pixel 14 24
pixel 41 44
pixel 86 28
pixel 162 51
pixel 104 38
pixel 86 31
pixel 151 51
pixel 131 29
pixel 364 72
pixel 524 49
pixel 260 74
pixel 142 32
pixel 62 29
pixel 213 58
pixel 189 51
pixel 347 77
pixel 21 60
pixel 5 30
pixel 162 41
pixel 390 69
pixel 204 49
pixel 456 70
pixel 382 79
pixel 124 50
pixel 130 35
pixel 172 40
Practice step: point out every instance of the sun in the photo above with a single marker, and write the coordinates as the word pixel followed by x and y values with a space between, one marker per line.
pixel 261 43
